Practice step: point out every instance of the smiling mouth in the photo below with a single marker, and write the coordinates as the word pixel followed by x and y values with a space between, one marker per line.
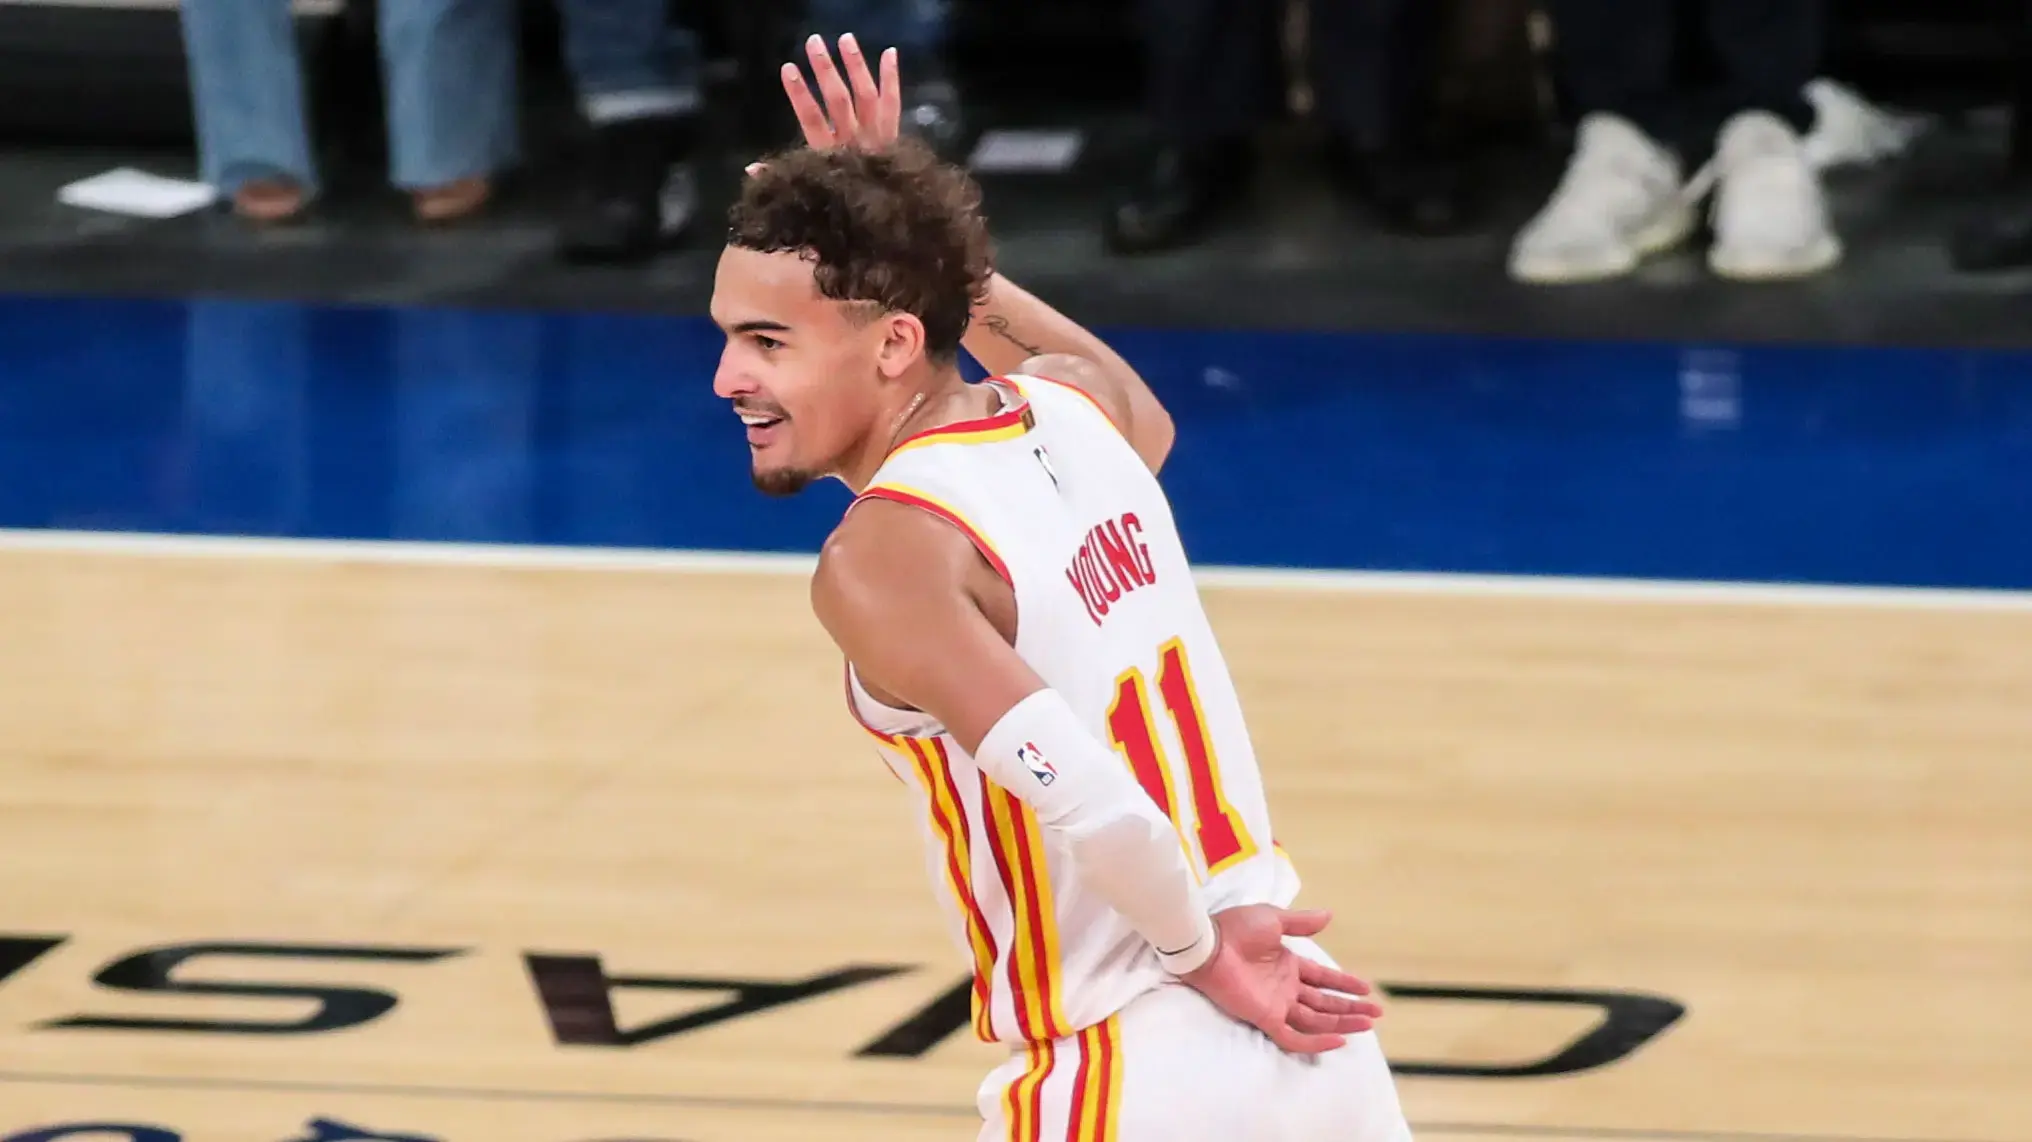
pixel 762 428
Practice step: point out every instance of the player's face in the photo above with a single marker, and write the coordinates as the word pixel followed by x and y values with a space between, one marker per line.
pixel 801 375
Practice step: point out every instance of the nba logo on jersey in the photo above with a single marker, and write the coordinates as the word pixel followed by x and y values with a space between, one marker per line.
pixel 1045 460
pixel 1033 759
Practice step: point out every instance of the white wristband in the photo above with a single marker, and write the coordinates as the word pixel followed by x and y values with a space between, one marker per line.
pixel 1181 961
pixel 1123 849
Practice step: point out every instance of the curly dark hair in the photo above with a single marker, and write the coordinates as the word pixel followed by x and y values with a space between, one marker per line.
pixel 896 228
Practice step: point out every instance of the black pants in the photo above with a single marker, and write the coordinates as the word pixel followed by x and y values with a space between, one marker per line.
pixel 1680 68
pixel 1216 72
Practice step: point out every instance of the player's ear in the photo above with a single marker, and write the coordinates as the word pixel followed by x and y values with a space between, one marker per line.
pixel 902 344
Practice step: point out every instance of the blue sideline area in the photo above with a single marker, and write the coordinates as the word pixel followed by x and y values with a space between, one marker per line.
pixel 1777 464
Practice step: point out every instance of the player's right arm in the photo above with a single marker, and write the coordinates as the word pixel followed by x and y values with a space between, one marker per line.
pixel 902 594
pixel 899 591
pixel 1014 331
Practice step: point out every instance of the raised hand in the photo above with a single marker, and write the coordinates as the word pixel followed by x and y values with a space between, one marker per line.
pixel 1254 977
pixel 857 111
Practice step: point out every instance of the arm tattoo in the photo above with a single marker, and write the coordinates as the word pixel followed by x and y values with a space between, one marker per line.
pixel 999 325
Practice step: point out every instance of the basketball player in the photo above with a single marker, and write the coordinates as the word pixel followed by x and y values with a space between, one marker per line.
pixel 1024 637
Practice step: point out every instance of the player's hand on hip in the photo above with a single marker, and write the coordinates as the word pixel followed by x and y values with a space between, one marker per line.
pixel 857 111
pixel 1303 1006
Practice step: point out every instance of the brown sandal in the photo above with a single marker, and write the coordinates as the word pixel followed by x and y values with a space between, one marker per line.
pixel 269 200
pixel 452 201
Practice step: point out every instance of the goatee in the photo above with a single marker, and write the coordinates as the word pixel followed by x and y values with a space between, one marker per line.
pixel 782 481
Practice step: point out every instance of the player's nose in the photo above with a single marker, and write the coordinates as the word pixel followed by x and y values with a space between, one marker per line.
pixel 729 382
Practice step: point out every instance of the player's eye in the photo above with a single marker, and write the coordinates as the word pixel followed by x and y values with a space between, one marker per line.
pixel 766 343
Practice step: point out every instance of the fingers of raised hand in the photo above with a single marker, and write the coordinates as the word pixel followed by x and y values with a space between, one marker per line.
pixel 839 101
pixel 889 108
pixel 811 118
pixel 867 98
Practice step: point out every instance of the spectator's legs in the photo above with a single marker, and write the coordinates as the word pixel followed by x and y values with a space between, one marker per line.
pixel 1617 57
pixel 1770 216
pixel 1769 51
pixel 1369 62
pixel 1620 199
pixel 1372 66
pixel 639 87
pixel 628 61
pixel 247 97
pixel 917 30
pixel 1996 239
pixel 449 67
pixel 2001 238
pixel 1213 69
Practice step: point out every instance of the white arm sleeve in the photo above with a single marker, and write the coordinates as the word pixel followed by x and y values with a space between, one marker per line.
pixel 1122 847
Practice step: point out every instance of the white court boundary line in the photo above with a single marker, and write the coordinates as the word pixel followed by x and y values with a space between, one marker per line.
pixel 530 557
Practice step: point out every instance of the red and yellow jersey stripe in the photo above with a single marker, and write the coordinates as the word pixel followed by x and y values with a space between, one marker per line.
pixel 1084 1074
pixel 950 825
pixel 1032 968
pixel 1008 424
pixel 1097 1084
pixel 1075 390
pixel 889 741
pixel 1023 1101
pixel 1025 963
pixel 898 493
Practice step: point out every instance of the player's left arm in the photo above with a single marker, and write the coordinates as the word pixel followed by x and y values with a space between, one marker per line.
pixel 1012 330
pixel 898 591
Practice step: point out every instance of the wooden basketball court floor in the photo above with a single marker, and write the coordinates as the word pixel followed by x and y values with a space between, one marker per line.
pixel 478 786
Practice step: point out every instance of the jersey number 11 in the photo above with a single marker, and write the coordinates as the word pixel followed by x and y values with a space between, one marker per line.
pixel 1223 838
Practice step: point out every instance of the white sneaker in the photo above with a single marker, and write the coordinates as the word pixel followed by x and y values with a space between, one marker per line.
pixel 1770 217
pixel 1618 203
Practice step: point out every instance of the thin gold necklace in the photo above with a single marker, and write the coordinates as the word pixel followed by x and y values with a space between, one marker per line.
pixel 909 410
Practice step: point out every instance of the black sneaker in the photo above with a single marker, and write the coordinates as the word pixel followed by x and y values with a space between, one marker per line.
pixel 636 191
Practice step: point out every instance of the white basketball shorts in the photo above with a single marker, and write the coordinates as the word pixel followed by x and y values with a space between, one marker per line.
pixel 1172 1067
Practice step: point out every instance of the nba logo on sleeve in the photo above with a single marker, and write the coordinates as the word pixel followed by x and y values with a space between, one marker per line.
pixel 1033 760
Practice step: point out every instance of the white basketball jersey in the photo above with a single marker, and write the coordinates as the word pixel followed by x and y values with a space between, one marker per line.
pixel 1108 615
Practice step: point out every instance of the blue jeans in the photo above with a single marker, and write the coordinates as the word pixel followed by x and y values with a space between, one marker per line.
pixel 448 66
pixel 628 60
pixel 915 28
